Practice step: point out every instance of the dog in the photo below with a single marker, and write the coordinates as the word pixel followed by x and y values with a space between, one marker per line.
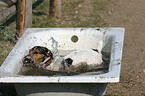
pixel 89 56
pixel 77 60
pixel 38 56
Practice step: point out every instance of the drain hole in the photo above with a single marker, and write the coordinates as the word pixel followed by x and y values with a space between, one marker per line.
pixel 74 38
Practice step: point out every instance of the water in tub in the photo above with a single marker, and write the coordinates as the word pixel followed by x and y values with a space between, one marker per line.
pixel 71 62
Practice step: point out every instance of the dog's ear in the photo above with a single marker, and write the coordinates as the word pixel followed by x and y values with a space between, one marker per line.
pixel 42 50
pixel 32 49
pixel 69 61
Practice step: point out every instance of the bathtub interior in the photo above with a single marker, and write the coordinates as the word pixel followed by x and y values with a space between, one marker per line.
pixel 68 40
pixel 99 69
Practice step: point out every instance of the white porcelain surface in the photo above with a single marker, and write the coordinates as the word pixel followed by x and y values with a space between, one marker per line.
pixel 87 38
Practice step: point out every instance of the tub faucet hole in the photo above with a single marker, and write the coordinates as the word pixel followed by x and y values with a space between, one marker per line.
pixel 74 38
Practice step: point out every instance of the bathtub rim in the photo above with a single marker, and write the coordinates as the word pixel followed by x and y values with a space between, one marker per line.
pixel 115 66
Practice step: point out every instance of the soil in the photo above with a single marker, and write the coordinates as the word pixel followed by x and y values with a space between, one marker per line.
pixel 130 15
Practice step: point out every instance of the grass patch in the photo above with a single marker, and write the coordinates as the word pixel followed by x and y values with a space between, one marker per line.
pixel 2 6
pixel 74 14
pixel 7 42
pixel 5 48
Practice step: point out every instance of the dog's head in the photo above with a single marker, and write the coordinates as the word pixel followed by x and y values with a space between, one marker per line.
pixel 38 55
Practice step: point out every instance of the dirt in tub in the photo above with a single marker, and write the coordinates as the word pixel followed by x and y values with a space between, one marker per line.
pixel 82 69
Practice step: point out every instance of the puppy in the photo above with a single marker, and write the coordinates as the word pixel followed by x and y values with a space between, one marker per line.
pixel 77 60
pixel 89 56
pixel 38 56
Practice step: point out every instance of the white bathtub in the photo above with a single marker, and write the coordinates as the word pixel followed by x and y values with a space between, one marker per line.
pixel 109 40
